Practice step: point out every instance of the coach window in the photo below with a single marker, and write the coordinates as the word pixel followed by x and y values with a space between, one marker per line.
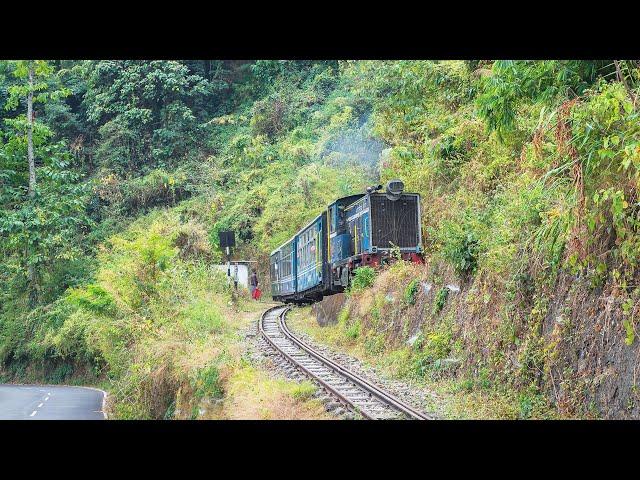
pixel 303 249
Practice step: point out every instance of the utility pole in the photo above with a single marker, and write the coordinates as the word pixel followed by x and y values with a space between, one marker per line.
pixel 227 240
pixel 235 280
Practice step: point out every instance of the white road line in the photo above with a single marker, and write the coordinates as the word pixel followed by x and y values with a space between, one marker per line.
pixel 47 398
pixel 40 405
pixel 33 413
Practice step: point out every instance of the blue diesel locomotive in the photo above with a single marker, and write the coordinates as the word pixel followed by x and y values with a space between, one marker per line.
pixel 353 231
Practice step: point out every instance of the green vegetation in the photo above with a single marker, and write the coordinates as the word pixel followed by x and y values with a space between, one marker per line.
pixel 527 175
pixel 411 292
pixel 363 277
pixel 113 190
pixel 105 274
pixel 440 300
pixel 141 319
pixel 252 394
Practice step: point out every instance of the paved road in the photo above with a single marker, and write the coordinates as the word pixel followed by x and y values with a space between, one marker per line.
pixel 37 402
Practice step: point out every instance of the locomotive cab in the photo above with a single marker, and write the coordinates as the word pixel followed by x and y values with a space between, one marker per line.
pixel 340 241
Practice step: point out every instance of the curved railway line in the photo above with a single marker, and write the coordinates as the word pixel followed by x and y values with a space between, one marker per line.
pixel 352 390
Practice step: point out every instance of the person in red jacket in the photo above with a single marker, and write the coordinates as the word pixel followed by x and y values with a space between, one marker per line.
pixel 253 284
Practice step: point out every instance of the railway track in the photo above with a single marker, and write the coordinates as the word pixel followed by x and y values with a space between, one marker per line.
pixel 352 390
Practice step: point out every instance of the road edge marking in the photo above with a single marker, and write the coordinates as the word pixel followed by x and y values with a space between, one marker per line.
pixel 104 400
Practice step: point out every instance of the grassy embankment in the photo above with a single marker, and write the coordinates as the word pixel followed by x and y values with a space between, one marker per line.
pixel 164 333
pixel 184 328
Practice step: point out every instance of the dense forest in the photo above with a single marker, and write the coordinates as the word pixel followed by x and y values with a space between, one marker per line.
pixel 116 177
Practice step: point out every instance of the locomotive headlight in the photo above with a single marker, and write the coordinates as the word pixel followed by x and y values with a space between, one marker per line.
pixel 394 189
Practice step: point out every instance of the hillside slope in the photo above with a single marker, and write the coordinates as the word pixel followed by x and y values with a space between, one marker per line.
pixel 530 212
pixel 528 174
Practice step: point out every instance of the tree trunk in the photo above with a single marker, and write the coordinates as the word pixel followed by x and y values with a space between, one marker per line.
pixel 32 162
pixel 33 279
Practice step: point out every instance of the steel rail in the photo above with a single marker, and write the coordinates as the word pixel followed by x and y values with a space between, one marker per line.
pixel 380 394
pixel 305 369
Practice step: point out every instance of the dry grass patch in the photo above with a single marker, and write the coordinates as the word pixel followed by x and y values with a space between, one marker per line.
pixel 252 395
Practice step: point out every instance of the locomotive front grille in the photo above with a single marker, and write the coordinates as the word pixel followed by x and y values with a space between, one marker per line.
pixel 394 222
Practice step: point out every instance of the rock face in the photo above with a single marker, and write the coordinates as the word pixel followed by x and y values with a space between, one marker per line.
pixel 592 365
pixel 327 310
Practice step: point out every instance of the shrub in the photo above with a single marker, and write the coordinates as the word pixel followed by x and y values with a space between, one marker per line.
pixel 304 391
pixel 72 339
pixel 630 334
pixel 92 298
pixel 201 316
pixel 192 241
pixel 411 291
pixel 440 300
pixel 363 277
pixel 207 383
pixel 158 187
pixel 514 82
pixel 343 316
pixel 60 373
pixel 451 153
pixel 353 331
pixel 461 249
pixel 268 117
pixel 374 344
pixel 432 348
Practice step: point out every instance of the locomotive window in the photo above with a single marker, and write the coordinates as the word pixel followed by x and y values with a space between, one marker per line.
pixel 334 219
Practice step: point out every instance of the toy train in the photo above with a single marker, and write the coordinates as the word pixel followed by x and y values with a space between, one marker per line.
pixel 354 231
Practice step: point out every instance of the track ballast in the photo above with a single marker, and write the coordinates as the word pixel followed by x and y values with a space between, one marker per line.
pixel 352 390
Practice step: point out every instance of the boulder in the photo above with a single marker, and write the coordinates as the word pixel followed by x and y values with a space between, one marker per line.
pixel 327 310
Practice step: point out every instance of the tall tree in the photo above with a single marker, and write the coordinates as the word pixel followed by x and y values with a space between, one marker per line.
pixel 28 228
pixel 33 77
